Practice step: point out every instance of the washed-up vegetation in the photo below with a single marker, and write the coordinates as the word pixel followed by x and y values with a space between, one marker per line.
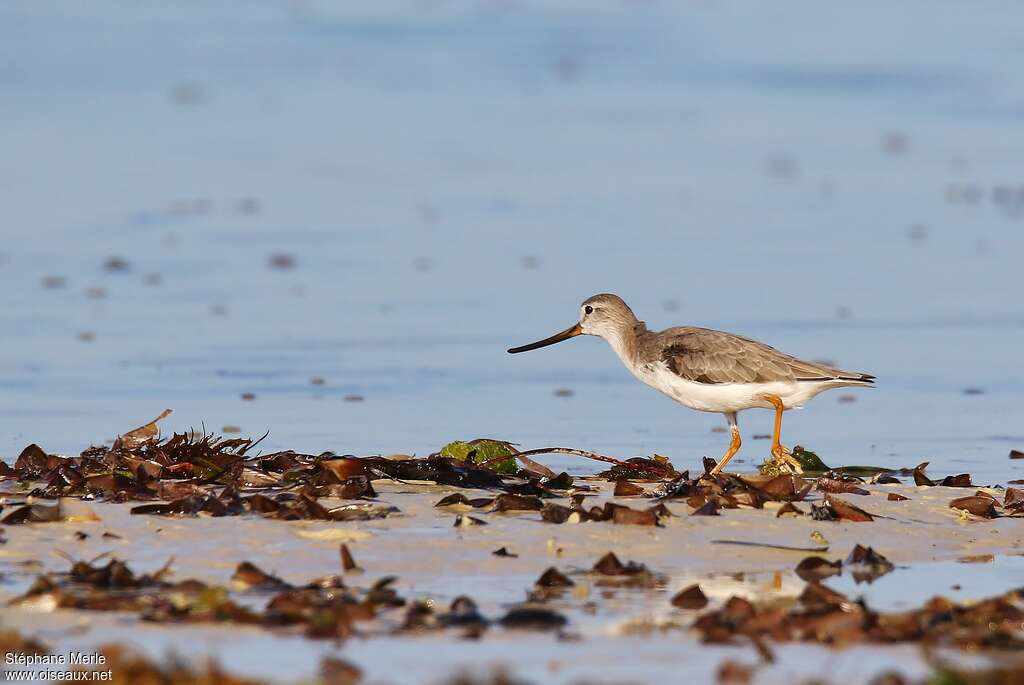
pixel 189 474
pixel 473 483
pixel 324 607
pixel 825 616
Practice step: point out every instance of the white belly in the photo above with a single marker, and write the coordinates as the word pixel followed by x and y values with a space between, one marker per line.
pixel 728 397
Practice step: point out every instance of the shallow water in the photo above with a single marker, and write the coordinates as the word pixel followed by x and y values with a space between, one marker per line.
pixel 454 180
pixel 451 180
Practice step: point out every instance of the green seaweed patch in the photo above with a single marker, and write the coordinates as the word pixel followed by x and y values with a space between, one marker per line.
pixel 483 450
pixel 809 461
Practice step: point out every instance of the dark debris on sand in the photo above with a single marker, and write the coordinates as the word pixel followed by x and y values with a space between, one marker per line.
pixel 824 616
pixel 196 473
pixel 323 608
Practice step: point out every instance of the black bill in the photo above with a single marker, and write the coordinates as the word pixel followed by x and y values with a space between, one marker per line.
pixel 570 332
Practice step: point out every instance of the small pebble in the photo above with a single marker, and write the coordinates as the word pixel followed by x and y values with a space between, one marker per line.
pixel 895 143
pixel 119 264
pixel 53 282
pixel 188 94
pixel 670 305
pixel 281 260
pixel 782 167
pixel 917 233
pixel 248 205
pixel 567 68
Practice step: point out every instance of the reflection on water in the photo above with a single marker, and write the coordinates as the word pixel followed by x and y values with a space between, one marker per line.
pixel 959 581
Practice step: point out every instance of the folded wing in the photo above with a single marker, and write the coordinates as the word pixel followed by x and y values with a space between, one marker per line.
pixel 707 356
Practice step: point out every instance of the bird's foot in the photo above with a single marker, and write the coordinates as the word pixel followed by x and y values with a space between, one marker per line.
pixel 786 461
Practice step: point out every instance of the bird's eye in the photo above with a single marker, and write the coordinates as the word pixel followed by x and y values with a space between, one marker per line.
pixel 588 309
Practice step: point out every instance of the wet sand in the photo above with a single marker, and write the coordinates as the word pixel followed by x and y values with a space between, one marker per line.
pixel 437 562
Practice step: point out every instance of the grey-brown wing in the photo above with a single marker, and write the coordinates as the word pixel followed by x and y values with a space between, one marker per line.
pixel 707 356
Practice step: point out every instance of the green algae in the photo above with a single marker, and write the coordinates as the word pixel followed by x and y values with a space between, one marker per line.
pixel 482 451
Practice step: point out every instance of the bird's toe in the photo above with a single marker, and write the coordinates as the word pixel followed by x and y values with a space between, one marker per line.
pixel 786 461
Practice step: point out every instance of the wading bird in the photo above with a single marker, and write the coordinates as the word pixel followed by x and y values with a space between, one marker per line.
pixel 708 370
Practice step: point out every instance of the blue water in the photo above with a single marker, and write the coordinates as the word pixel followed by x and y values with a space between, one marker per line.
pixel 453 179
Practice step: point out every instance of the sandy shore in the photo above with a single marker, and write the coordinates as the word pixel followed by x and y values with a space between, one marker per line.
pixel 436 561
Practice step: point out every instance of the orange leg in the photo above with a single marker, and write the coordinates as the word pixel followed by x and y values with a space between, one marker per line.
pixel 782 456
pixel 734 444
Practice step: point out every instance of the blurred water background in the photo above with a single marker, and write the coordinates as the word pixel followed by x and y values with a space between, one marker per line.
pixel 206 199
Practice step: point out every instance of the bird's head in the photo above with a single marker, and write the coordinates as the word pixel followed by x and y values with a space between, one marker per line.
pixel 604 315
